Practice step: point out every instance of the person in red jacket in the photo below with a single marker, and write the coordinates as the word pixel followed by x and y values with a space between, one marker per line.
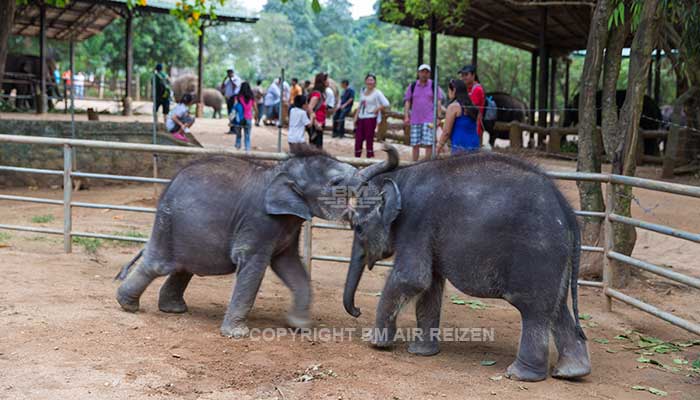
pixel 476 93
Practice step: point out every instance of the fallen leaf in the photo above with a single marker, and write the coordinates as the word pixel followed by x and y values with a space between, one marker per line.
pixel 601 341
pixel 496 377
pixel 584 317
pixel 487 363
pixel 657 392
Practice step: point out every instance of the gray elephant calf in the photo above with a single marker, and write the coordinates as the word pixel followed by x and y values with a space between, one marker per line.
pixel 223 215
pixel 494 226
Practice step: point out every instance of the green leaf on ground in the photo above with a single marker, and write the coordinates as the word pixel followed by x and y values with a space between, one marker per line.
pixel 637 387
pixel 657 392
pixel 611 351
pixel 42 219
pixel 487 363
pixel 585 317
pixel 456 300
pixel 696 363
pixel 601 341
pixel 622 337
pixel 680 361
pixel 476 305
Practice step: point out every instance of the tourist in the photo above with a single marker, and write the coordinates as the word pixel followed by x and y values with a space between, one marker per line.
pixel 273 96
pixel 460 120
pixel 230 87
pixel 162 91
pixel 247 101
pixel 298 122
pixel 79 85
pixel 317 109
pixel 476 92
pixel 344 109
pixel 372 103
pixel 295 91
pixel 259 94
pixel 179 120
pixel 418 112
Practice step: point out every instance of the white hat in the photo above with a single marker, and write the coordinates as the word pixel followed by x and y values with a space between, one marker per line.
pixel 424 66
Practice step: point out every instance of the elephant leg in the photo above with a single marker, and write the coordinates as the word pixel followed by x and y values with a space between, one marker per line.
pixel 533 354
pixel 248 279
pixel 428 318
pixel 170 298
pixel 573 355
pixel 404 283
pixel 288 267
pixel 136 282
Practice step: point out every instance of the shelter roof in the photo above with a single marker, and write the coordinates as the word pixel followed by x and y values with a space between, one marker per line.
pixel 517 22
pixel 81 19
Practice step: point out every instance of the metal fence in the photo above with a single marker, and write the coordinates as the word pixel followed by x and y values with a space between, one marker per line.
pixel 608 252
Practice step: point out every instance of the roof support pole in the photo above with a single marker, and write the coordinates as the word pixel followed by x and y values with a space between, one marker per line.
pixel 433 46
pixel 129 64
pixel 421 48
pixel 657 77
pixel 200 75
pixel 533 87
pixel 475 51
pixel 544 70
pixel 553 91
pixel 567 60
pixel 42 104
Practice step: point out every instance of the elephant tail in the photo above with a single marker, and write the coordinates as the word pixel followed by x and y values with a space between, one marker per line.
pixel 125 269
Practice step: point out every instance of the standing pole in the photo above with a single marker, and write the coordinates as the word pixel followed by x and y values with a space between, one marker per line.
pixel 433 46
pixel 421 49
pixel 566 82
pixel 129 61
pixel 608 245
pixel 67 197
pixel 280 117
pixel 71 56
pixel 155 128
pixel 200 75
pixel 657 77
pixel 544 70
pixel 436 88
pixel 553 92
pixel 533 87
pixel 42 104
pixel 475 51
pixel 307 246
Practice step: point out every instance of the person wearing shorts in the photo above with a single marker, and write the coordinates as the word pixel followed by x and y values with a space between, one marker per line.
pixel 418 112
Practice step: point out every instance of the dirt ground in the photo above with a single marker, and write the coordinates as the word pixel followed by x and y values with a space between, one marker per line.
pixel 64 336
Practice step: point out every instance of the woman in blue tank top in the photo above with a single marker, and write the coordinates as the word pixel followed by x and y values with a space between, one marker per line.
pixel 460 120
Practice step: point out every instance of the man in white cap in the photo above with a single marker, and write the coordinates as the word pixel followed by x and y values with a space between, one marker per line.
pixel 418 112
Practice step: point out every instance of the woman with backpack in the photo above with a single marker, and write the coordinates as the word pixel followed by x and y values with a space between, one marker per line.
pixel 372 103
pixel 317 109
pixel 461 120
pixel 245 106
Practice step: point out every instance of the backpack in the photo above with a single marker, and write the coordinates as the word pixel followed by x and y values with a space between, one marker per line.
pixel 236 117
pixel 491 112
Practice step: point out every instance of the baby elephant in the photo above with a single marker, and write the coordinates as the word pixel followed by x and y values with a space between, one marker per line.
pixel 495 227
pixel 223 214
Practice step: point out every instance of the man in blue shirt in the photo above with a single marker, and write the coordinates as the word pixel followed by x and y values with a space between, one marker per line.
pixel 344 109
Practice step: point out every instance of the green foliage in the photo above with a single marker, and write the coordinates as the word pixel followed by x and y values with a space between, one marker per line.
pixel 4 237
pixel 42 219
pixel 91 245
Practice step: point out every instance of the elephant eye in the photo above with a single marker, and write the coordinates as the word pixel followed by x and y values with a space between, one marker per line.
pixel 358 229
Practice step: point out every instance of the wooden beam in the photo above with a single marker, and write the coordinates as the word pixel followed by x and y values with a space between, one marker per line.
pixel 129 61
pixel 657 77
pixel 533 87
pixel 553 92
pixel 544 70
pixel 200 75
pixel 475 51
pixel 421 48
pixel 566 83
pixel 433 47
pixel 42 104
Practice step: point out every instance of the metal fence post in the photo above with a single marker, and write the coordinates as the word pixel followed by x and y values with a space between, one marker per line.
pixel 67 198
pixel 609 244
pixel 307 246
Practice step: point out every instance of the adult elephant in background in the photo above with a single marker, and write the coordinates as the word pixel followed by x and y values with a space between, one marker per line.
pixel 509 109
pixel 495 227
pixel 223 214
pixel 214 99
pixel 184 84
pixel 28 67
pixel 651 118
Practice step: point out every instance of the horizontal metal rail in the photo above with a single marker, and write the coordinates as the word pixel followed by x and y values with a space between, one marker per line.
pixel 31 170
pixel 30 199
pixel 693 237
pixel 655 269
pixel 109 237
pixel 113 207
pixel 119 177
pixel 596 214
pixel 582 282
pixel 666 316
pixel 31 229
pixel 593 249
pixel 659 186
pixel 578 176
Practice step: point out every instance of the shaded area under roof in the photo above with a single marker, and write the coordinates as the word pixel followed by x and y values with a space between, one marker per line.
pixel 517 23
pixel 81 19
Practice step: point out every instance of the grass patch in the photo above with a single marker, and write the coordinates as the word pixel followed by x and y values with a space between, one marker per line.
pixel 91 245
pixel 42 219
pixel 131 234
pixel 4 237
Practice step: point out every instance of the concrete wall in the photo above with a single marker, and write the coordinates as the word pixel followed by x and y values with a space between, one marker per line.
pixel 88 160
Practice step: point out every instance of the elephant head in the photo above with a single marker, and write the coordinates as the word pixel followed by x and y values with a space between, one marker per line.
pixel 312 183
pixel 372 239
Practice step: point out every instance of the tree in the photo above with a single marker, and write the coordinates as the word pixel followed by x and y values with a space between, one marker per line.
pixel 7 16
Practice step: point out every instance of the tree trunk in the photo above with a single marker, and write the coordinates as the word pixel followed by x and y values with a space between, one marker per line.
pixel 611 73
pixel 7 18
pixel 590 193
pixel 625 156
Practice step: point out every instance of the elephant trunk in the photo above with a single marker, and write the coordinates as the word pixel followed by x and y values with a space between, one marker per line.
pixel 391 162
pixel 357 267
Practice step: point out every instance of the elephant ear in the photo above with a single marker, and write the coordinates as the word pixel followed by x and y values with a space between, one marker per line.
pixel 284 197
pixel 391 202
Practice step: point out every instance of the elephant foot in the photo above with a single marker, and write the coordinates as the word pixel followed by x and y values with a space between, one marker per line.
pixel 236 331
pixel 382 338
pixel 298 321
pixel 519 371
pixel 424 347
pixel 128 304
pixel 571 368
pixel 174 306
